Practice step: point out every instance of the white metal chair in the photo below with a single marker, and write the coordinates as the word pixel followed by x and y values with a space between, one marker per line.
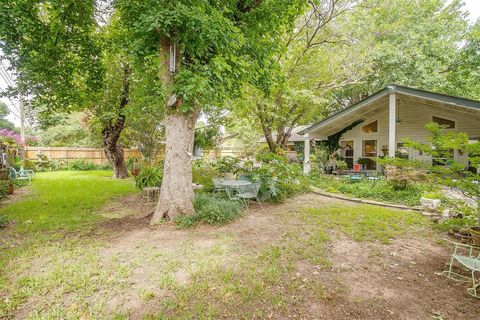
pixel 466 256
pixel 249 192
pixel 217 184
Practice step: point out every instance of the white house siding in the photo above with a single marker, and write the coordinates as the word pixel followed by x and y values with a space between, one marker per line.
pixel 414 116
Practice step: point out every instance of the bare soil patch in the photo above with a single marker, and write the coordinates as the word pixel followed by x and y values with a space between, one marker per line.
pixel 366 280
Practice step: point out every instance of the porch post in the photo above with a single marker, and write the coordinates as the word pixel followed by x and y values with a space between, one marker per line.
pixel 392 114
pixel 306 155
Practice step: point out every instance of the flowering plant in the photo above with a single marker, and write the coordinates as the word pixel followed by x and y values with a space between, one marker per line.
pixel 10 137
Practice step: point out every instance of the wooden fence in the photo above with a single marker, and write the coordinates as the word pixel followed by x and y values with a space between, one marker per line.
pixel 95 155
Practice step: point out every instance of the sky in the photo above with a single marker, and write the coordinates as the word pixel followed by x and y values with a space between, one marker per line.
pixel 472 6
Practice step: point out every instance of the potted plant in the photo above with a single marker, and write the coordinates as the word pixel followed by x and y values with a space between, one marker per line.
pixel 431 203
pixel 341 166
pixel 11 188
pixel 228 166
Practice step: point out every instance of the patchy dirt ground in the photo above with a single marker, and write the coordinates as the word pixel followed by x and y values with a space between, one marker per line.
pixel 400 280
pixel 141 270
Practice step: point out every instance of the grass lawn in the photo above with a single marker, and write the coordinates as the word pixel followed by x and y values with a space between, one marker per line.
pixel 308 258
pixel 65 200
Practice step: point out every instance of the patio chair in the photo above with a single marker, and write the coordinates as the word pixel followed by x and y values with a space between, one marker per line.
pixel 355 177
pixel 249 192
pixel 17 175
pixel 29 172
pixel 466 256
pixel 244 177
pixel 217 184
pixel 372 176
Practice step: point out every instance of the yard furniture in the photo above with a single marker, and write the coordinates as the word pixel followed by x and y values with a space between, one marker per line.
pixel 249 192
pixel 23 171
pixel 373 176
pixel 244 177
pixel 232 187
pixel 217 184
pixel 152 193
pixel 17 175
pixel 468 257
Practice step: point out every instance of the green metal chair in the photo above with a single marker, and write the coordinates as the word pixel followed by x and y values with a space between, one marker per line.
pixel 372 176
pixel 249 192
pixel 218 186
pixel 19 175
pixel 468 257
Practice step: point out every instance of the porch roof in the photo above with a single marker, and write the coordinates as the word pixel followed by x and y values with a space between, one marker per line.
pixel 372 104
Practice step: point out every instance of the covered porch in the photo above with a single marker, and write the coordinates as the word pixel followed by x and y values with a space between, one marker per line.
pixel 377 125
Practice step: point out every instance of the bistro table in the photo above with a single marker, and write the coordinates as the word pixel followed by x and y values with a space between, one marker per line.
pixel 231 186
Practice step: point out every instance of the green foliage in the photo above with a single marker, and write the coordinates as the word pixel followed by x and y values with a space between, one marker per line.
pixel 54 49
pixel 80 165
pixel 449 172
pixel 368 223
pixel 3 188
pixel 5 123
pixel 149 176
pixel 227 165
pixel 206 137
pixel 72 132
pixel 65 200
pixel 382 190
pixel 210 209
pixel 280 178
pixel 3 220
pixel 203 174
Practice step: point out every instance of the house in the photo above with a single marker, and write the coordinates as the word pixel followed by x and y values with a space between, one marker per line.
pixel 295 138
pixel 377 125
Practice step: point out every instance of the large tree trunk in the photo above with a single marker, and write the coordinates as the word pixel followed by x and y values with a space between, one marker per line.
pixel 176 194
pixel 114 154
pixel 111 132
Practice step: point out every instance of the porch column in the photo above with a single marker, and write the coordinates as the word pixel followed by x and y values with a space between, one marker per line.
pixel 392 115
pixel 306 155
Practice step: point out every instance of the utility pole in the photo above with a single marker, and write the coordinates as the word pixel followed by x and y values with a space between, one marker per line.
pixel 22 119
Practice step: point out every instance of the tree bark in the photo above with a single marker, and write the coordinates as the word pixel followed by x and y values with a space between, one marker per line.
pixel 111 132
pixel 176 194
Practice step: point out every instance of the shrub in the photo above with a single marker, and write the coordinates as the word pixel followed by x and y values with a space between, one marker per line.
pixel 3 188
pixel 280 178
pixel 149 177
pixel 203 174
pixel 382 190
pixel 210 209
pixel 81 165
pixel 228 165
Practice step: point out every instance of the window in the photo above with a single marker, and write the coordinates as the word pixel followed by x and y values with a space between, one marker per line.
pixel 449 124
pixel 371 127
pixel 402 151
pixel 369 148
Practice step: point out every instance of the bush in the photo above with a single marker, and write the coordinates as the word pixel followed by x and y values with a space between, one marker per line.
pixel 382 190
pixel 81 165
pixel 203 174
pixel 149 177
pixel 210 209
pixel 280 178
pixel 3 188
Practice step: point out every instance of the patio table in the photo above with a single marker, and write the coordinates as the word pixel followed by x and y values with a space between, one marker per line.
pixel 232 185
pixel 235 183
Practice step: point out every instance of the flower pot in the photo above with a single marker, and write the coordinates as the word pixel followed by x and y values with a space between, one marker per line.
pixel 10 188
pixel 430 205
pixel 475 233
pixel 229 176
